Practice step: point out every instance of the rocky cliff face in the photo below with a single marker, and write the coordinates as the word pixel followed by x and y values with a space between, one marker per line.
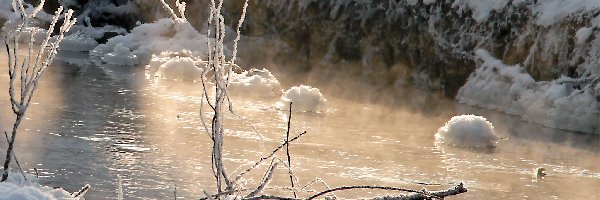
pixel 425 43
pixel 430 44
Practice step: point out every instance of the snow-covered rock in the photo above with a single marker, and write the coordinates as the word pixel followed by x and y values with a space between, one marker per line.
pixel 305 99
pixel 154 38
pixel 254 83
pixel 467 131
pixel 565 103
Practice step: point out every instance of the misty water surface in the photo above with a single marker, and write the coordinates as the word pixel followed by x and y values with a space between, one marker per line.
pixel 100 124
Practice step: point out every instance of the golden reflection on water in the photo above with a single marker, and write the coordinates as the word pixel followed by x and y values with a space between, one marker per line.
pixel 93 126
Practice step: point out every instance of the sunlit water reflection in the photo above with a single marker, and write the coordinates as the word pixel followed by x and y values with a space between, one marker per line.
pixel 96 125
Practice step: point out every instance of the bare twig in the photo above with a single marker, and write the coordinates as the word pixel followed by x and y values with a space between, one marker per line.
pixel 16 160
pixel 37 174
pixel 458 189
pixel 238 177
pixel 266 179
pixel 168 9
pixel 365 187
pixel 81 192
pixel 243 120
pixel 287 148
pixel 270 197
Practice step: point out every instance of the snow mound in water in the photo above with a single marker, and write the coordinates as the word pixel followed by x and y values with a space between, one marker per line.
pixel 467 131
pixel 305 99
pixel 564 103
pixel 120 56
pixel 255 83
pixel 18 188
pixel 178 68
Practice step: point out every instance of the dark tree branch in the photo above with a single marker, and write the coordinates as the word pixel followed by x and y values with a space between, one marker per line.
pixel 287 148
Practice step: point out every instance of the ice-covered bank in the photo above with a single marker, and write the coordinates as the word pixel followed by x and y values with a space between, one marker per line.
pixel 564 103
pixel 164 35
pixel 16 187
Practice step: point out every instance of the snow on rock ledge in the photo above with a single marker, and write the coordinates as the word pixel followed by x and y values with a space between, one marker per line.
pixel 560 103
pixel 305 99
pixel 467 131
pixel 152 38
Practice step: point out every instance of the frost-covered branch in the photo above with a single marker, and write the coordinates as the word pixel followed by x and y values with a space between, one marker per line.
pixel 458 189
pixel 31 68
pixel 266 179
pixel 169 9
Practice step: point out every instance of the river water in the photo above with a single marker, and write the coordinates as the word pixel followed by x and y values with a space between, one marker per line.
pixel 114 128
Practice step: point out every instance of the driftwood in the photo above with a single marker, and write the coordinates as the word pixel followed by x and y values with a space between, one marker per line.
pixel 458 189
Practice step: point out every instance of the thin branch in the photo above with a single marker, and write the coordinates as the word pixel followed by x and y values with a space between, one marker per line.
pixel 287 147
pixel 168 9
pixel 317 180
pixel 270 197
pixel 367 187
pixel 237 37
pixel 243 120
pixel 458 189
pixel 268 156
pixel 266 179
pixel 15 157
pixel 81 192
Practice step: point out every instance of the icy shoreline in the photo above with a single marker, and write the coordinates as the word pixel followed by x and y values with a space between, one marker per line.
pixel 556 104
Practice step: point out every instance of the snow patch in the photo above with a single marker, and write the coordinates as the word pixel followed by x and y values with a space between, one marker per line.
pixel 481 8
pixel 582 35
pixel 152 38
pixel 181 68
pixel 305 99
pixel 176 66
pixel 467 131
pixel 565 103
pixel 254 83
pixel 551 11
pixel 16 187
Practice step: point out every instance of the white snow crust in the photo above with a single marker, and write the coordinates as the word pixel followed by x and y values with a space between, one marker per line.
pixel 16 187
pixel 305 99
pixel 467 131
pixel 254 83
pixel 153 38
pixel 547 12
